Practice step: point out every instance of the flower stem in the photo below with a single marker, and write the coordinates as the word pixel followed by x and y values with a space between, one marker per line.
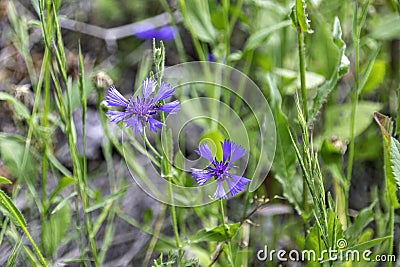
pixel 196 42
pixel 173 214
pixel 357 25
pixel 159 61
pixel 391 233
pixel 147 142
pixel 302 62
pixel 303 88
pixel 230 257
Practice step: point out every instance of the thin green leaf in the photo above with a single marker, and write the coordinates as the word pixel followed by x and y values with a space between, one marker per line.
pixel 376 76
pixel 63 183
pixel 360 222
pixel 368 69
pixel 337 33
pixel 341 68
pixel 12 258
pixel 299 16
pixel 56 163
pixel 106 200
pixel 4 180
pixel 55 228
pixel 63 202
pixel 20 108
pixel 388 28
pixel 220 233
pixel 367 245
pixel 385 124
pixel 336 119
pixel 200 20
pixel 11 211
pixel 284 164
pixel 259 37
pixel 395 158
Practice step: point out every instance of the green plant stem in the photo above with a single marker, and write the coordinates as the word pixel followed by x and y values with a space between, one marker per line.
pixel 302 65
pixel 149 145
pixel 51 29
pixel 356 41
pixel 230 254
pixel 166 171
pixel 157 228
pixel 83 158
pixel 391 233
pixel 196 41
pixel 173 215
pixel 46 111
pixel 303 88
pixel 159 62
pixel 353 114
pixel 37 251
pixel 177 39
pixel 227 33
pixel 398 112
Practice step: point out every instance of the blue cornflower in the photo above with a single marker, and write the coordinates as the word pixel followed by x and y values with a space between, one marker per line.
pixel 210 57
pixel 136 113
pixel 164 33
pixel 220 169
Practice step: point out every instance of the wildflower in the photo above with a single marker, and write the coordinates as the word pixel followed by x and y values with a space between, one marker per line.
pixel 136 113
pixel 220 169
pixel 164 33
pixel 210 57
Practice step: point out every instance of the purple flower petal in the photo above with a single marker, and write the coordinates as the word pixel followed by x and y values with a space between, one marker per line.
pixel 210 57
pixel 236 184
pixel 114 98
pixel 220 169
pixel 154 124
pixel 237 152
pixel 149 32
pixel 171 107
pixel 135 124
pixel 205 152
pixel 201 176
pixel 116 116
pixel 220 192
pixel 226 148
pixel 148 87
pixel 163 92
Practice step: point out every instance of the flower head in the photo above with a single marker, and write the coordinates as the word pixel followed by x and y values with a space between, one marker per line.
pixel 163 33
pixel 219 170
pixel 136 113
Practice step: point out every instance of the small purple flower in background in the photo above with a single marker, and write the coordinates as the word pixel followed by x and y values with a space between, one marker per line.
pixel 220 169
pixel 164 33
pixel 140 111
pixel 210 57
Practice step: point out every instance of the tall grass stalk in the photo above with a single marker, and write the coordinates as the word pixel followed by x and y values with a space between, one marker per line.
pixel 196 42
pixel 302 69
pixel 54 44
pixel 159 62
pixel 303 90
pixel 356 33
pixel 177 39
